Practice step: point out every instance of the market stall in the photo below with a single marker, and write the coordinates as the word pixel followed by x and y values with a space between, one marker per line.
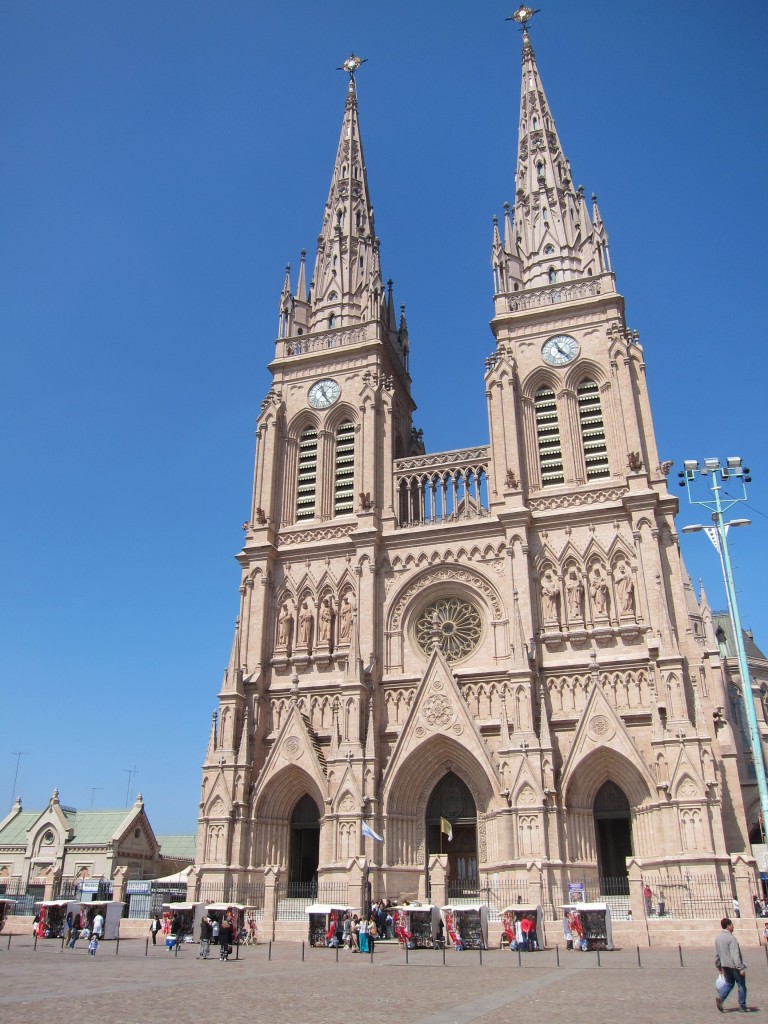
pixel 466 927
pixel 416 925
pixel 184 920
pixel 325 923
pixel 52 917
pixel 523 927
pixel 111 911
pixel 6 909
pixel 587 926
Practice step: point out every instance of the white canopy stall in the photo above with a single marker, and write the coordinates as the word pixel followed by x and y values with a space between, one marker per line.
pixel 588 925
pixel 416 925
pixel 466 926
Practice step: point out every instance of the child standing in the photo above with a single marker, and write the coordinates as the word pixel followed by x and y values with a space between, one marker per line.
pixel 93 945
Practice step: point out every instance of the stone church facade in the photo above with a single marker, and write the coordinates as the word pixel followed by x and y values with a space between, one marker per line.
pixel 502 637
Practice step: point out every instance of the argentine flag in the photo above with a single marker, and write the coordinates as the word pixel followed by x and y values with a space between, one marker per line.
pixel 368 831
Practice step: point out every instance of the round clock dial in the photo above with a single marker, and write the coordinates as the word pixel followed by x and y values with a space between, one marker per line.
pixel 560 349
pixel 323 394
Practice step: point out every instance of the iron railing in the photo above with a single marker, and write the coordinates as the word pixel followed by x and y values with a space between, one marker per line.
pixel 687 897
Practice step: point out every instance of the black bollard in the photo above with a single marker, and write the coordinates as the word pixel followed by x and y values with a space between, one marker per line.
pixel 270 950
pixel 406 951
pixel 146 948
pixel 176 946
pixel 598 958
pixel 117 945
pixel 237 950
pixel 337 953
pixel 443 954
pixel 680 954
pixel 557 953
pixel 302 953
pixel 9 941
pixel 35 945
pixel 480 950
pixel 639 963
pixel 371 952
pixel 519 957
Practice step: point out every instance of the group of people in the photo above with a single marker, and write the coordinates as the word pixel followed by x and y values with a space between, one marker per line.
pixel 219 932
pixel 359 934
pixel 661 902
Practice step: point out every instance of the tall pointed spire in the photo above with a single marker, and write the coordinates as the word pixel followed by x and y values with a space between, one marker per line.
pixel 347 285
pixel 552 237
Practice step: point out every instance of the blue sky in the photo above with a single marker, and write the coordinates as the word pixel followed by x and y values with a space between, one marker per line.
pixel 163 160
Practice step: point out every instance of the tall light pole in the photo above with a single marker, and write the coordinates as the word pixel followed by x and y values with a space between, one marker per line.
pixel 718 534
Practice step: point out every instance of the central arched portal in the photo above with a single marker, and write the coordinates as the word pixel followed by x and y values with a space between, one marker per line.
pixel 305 844
pixel 613 831
pixel 452 802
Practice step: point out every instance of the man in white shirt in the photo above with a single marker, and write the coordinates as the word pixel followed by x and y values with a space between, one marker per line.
pixel 98 925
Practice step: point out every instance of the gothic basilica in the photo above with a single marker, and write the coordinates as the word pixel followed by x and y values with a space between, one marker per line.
pixel 476 670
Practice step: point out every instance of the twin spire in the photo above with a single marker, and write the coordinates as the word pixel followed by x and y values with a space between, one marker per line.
pixel 550 237
pixel 347 286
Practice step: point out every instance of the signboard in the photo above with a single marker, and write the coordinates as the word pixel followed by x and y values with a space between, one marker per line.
pixel 577 892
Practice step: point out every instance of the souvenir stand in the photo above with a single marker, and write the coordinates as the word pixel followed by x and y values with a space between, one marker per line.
pixel 588 926
pixel 236 911
pixel 466 927
pixel 523 927
pixel 188 917
pixel 6 909
pixel 416 925
pixel 111 911
pixel 53 917
pixel 324 921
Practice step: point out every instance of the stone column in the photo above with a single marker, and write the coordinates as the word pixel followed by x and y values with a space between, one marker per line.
pixel 192 885
pixel 438 877
pixel 271 883
pixel 357 875
pixel 52 884
pixel 744 875
pixel 636 901
pixel 119 879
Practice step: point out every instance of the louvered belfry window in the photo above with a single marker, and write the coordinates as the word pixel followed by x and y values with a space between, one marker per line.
pixel 592 431
pixel 307 478
pixel 345 470
pixel 548 438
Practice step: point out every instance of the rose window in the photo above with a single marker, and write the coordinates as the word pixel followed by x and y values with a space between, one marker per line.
pixel 456 623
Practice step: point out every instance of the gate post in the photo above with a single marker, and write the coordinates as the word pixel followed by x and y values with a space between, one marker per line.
pixel 271 894
pixel 438 877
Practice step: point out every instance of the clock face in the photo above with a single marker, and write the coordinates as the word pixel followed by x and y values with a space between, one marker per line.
pixel 323 394
pixel 560 349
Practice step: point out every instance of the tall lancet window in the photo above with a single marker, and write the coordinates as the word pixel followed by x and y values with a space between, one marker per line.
pixel 548 438
pixel 345 469
pixel 307 477
pixel 592 430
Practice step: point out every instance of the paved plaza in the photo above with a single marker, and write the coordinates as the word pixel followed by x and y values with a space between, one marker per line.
pixel 131 988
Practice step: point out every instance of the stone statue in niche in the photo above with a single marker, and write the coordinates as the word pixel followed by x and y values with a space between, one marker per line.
pixel 550 596
pixel 599 593
pixel 346 618
pixel 325 621
pixel 574 595
pixel 625 590
pixel 284 625
pixel 305 624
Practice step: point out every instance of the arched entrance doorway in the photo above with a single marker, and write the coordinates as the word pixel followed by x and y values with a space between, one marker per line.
pixel 613 831
pixel 452 801
pixel 305 847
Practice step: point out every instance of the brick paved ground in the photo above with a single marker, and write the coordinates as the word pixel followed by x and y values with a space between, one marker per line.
pixel 133 989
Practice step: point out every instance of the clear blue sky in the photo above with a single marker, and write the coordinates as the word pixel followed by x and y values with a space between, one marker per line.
pixel 164 159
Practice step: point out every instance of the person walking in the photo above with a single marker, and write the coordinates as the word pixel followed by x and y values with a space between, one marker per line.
pixel 730 963
pixel 154 928
pixel 226 935
pixel 98 925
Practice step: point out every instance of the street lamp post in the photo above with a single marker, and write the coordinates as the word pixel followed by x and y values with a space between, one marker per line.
pixel 718 534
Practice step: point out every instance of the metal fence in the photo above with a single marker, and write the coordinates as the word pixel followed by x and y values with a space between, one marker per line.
pixel 497 893
pixel 248 894
pixel 294 897
pixel 686 897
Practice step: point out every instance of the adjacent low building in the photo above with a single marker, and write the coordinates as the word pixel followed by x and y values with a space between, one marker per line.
pixel 61 850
